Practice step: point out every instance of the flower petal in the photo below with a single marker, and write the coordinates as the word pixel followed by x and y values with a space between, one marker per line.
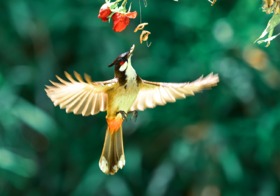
pixel 104 11
pixel 120 22
pixel 104 19
pixel 131 15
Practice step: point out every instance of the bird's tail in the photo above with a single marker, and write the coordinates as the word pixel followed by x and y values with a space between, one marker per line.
pixel 112 157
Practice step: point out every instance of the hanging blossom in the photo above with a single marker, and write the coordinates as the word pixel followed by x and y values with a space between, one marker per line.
pixel 105 11
pixel 270 6
pixel 119 14
pixel 121 20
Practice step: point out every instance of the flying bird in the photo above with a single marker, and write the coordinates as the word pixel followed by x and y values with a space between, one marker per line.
pixel 125 93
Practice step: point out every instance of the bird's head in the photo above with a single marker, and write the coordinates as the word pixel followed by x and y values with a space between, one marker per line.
pixel 123 61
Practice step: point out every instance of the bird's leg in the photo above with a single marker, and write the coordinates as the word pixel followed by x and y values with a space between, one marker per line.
pixel 124 115
pixel 134 115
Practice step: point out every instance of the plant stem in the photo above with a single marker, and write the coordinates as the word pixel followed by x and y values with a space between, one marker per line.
pixel 116 2
pixel 123 3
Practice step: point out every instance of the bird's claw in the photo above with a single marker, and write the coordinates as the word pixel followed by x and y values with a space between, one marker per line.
pixel 134 115
pixel 124 115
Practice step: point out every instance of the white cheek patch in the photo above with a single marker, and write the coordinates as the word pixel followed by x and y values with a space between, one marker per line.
pixel 123 67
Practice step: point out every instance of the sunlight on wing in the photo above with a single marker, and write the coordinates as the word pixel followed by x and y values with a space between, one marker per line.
pixel 79 97
pixel 159 93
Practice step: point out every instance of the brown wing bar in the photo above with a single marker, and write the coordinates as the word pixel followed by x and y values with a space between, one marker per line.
pixel 79 97
pixel 159 93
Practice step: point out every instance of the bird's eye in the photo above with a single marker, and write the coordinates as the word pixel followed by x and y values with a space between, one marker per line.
pixel 121 63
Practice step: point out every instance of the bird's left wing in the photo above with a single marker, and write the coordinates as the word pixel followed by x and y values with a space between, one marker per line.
pixel 159 93
pixel 79 97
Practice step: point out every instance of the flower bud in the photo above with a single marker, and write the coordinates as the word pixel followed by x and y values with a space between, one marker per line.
pixel 104 12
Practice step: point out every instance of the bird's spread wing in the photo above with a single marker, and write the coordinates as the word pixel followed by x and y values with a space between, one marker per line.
pixel 158 93
pixel 79 97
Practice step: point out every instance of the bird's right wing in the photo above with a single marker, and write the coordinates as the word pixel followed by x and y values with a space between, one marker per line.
pixel 79 97
pixel 159 93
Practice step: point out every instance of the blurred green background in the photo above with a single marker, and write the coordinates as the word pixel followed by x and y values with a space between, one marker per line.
pixel 222 142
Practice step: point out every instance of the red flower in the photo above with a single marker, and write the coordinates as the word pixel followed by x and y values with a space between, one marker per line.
pixel 122 20
pixel 104 12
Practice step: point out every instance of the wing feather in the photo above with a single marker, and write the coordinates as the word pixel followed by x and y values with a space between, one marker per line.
pixel 159 93
pixel 66 100
pixel 150 100
pixel 88 78
pixel 78 77
pixel 103 103
pixel 80 97
pixel 166 96
pixel 88 106
pixel 69 77
pixel 158 97
pixel 80 107
pixel 96 108
pixel 62 81
pixel 176 93
pixel 72 105
pixel 55 84
pixel 141 104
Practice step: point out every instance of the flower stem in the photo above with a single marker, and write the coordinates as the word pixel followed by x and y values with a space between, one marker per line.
pixel 116 2
pixel 123 3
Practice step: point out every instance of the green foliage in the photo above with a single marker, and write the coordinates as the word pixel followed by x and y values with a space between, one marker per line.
pixel 224 141
pixel 273 22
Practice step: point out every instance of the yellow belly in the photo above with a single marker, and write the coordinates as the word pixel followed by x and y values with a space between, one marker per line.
pixel 121 99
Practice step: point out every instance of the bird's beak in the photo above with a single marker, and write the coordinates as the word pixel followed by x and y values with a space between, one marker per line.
pixel 111 64
pixel 131 50
pixel 128 54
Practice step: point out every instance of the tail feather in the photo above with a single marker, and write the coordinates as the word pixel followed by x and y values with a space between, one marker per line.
pixel 112 157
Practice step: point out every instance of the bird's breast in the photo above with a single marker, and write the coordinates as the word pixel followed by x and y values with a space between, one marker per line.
pixel 123 97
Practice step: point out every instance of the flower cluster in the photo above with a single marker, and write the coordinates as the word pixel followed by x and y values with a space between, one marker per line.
pixel 119 15
pixel 271 6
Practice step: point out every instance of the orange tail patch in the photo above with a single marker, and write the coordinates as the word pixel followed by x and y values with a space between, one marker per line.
pixel 114 124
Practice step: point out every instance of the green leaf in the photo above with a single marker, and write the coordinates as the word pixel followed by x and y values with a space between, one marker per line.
pixel 35 118
pixel 17 164
pixel 273 22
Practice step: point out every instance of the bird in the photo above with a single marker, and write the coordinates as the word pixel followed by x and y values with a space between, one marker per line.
pixel 124 94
